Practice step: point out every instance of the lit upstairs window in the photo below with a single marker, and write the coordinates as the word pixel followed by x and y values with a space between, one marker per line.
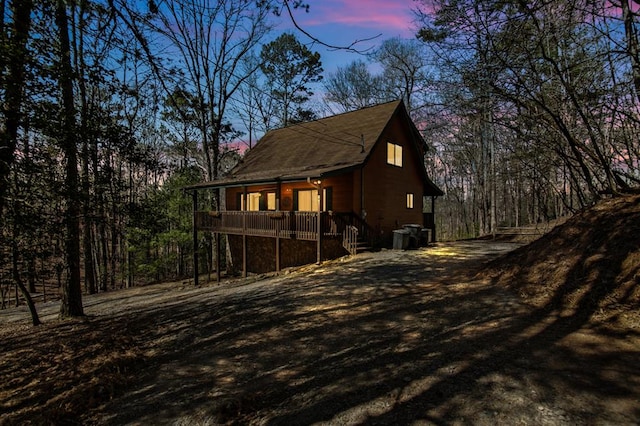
pixel 394 154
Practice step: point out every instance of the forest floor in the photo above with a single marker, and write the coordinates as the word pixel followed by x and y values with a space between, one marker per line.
pixel 473 332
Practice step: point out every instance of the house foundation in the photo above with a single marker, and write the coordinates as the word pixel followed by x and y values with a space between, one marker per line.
pixel 261 253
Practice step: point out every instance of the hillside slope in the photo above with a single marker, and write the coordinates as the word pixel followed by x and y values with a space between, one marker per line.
pixel 588 266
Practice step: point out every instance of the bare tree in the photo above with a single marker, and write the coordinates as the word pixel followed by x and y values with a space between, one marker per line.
pixel 71 305
pixel 351 87
pixel 14 36
pixel 210 40
pixel 405 66
pixel 549 83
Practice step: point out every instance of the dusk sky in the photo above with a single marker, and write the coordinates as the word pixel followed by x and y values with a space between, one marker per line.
pixel 341 22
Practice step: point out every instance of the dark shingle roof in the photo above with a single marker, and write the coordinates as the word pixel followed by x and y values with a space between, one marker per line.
pixel 326 143
pixel 313 149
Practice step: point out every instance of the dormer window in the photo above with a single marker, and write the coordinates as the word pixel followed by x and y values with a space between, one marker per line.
pixel 394 154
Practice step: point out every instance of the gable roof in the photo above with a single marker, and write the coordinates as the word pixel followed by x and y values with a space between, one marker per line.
pixel 332 142
pixel 316 149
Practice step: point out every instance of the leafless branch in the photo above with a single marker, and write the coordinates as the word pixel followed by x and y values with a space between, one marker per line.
pixel 350 48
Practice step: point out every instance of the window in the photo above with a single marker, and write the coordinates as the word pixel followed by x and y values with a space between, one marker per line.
pixel 253 201
pixel 256 201
pixel 394 154
pixel 409 200
pixel 271 200
pixel 306 200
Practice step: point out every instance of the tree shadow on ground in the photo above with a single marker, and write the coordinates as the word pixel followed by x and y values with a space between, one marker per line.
pixel 387 344
pixel 375 341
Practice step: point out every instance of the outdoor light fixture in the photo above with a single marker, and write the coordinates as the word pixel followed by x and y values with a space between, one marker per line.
pixel 315 182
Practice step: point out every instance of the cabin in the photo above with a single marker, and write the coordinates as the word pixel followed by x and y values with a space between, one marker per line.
pixel 322 189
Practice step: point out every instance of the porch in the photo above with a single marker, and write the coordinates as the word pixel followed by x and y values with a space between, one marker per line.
pixel 346 228
pixel 314 227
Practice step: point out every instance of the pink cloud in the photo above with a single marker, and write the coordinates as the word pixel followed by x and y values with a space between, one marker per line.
pixel 388 17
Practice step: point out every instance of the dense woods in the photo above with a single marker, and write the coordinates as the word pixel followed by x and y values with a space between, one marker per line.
pixel 110 107
pixel 541 108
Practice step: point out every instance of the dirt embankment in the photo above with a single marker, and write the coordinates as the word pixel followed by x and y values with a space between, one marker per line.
pixel 589 266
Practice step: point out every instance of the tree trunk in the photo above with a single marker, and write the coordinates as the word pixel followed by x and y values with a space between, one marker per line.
pixel 87 247
pixel 633 51
pixel 13 83
pixel 15 271
pixel 71 305
pixel 104 277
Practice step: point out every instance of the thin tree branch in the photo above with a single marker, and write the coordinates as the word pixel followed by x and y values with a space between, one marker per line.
pixel 349 48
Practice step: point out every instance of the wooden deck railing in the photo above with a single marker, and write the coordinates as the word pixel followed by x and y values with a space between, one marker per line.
pixel 350 239
pixel 364 231
pixel 283 224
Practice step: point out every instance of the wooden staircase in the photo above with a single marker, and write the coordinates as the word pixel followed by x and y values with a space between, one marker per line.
pixel 363 246
pixel 357 235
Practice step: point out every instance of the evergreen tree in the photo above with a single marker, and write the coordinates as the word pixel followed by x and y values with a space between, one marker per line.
pixel 290 67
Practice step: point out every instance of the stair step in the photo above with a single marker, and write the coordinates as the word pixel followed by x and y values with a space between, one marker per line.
pixel 360 248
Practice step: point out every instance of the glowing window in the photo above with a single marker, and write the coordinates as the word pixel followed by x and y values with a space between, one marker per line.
pixel 394 154
pixel 253 201
pixel 308 200
pixel 271 201
pixel 409 200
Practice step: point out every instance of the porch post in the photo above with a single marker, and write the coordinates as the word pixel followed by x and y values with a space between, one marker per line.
pixel 278 194
pixel 217 236
pixel 433 214
pixel 320 231
pixel 244 232
pixel 277 246
pixel 194 196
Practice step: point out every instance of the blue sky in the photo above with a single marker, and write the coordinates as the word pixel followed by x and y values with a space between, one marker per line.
pixel 341 22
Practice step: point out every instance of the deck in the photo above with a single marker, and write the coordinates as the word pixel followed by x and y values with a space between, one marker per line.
pixel 281 224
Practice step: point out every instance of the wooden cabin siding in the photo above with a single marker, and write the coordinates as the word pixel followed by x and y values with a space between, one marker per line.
pixel 386 186
pixel 341 193
pixel 357 172
pixel 356 193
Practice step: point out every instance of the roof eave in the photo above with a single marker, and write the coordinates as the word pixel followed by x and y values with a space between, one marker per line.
pixel 300 176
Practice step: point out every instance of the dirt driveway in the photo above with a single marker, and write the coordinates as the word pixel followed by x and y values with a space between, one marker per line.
pixel 382 338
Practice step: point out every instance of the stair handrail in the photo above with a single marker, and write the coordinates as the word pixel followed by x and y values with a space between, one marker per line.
pixel 350 239
pixel 365 230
